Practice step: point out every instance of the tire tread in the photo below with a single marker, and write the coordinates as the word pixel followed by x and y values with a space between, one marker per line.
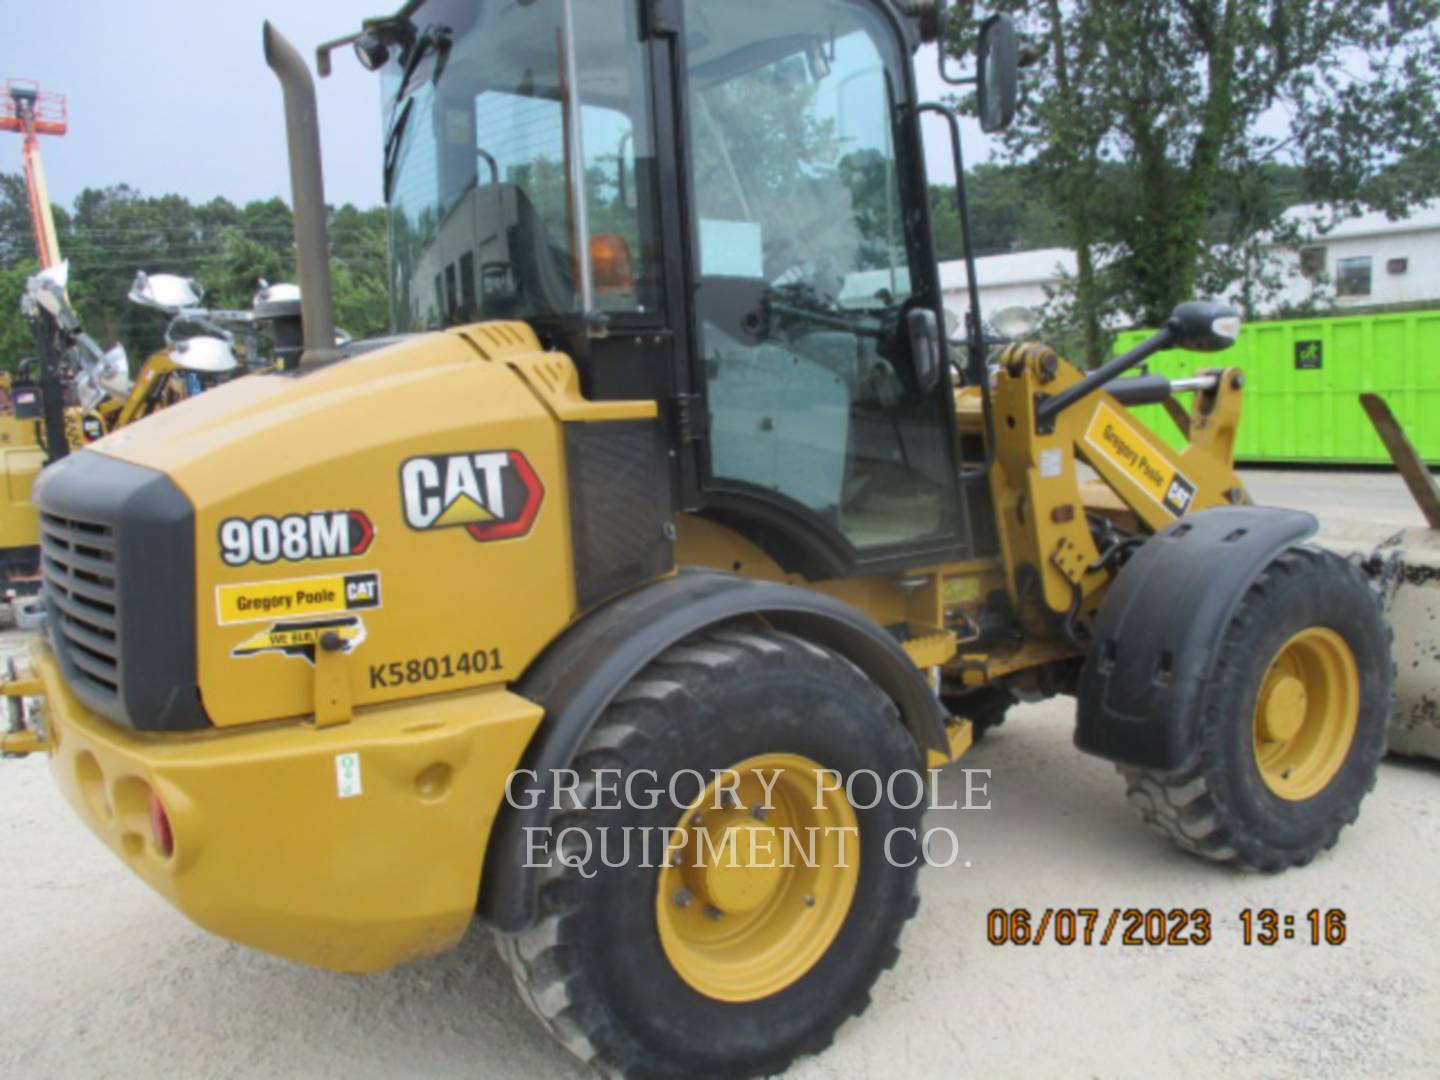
pixel 543 959
pixel 1183 807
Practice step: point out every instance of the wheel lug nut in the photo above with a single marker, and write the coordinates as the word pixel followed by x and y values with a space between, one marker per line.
pixel 683 898
pixel 759 813
pixel 713 913
pixel 809 900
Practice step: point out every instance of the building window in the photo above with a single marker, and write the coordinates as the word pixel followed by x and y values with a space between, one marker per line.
pixel 1312 261
pixel 1352 276
pixel 1397 266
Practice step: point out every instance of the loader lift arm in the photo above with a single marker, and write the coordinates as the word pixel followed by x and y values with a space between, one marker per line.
pixel 1058 563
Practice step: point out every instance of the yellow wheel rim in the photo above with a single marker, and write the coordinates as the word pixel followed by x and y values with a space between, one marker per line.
pixel 1306 713
pixel 753 894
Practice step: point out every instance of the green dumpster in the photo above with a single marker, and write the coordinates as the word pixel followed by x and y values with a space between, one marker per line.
pixel 1304 377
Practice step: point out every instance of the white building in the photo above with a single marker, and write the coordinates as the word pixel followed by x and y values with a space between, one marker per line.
pixel 1369 260
pixel 1364 262
pixel 1019 279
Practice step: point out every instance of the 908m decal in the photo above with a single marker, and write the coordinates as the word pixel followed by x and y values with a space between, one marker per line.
pixel 491 494
pixel 323 534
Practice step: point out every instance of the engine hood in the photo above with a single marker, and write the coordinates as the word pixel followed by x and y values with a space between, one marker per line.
pixel 406 508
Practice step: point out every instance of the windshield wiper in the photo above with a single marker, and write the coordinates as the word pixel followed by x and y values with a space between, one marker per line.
pixel 393 142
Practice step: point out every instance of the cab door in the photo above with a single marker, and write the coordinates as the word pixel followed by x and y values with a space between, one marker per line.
pixel 812 249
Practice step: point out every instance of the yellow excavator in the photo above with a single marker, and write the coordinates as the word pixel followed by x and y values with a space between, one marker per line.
pixel 626 594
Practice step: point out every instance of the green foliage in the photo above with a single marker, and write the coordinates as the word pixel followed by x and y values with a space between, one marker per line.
pixel 16 338
pixel 116 231
pixel 1007 213
pixel 1218 114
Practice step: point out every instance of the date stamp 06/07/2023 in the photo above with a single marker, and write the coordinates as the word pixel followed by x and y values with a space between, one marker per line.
pixel 1160 926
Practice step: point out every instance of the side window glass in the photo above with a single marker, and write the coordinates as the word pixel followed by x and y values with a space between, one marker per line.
pixel 805 271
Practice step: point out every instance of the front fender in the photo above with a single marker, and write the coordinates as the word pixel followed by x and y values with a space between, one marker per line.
pixel 1155 641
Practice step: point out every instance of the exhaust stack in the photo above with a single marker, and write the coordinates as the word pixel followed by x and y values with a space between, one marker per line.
pixel 307 187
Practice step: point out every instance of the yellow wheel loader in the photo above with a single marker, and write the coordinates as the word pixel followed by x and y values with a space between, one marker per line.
pixel 626 593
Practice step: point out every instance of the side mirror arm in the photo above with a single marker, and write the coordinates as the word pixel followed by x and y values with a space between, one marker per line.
pixel 975 373
pixel 1049 408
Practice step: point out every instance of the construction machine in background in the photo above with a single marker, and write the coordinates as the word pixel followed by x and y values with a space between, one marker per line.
pixel 662 519
pixel 74 392
pixel 29 112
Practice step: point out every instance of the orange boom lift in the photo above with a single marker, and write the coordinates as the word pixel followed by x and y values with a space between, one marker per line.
pixel 31 112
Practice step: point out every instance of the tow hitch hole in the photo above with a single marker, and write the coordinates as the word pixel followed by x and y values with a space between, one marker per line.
pixel 433 783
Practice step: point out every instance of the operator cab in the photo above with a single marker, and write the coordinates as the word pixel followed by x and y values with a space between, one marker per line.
pixel 720 205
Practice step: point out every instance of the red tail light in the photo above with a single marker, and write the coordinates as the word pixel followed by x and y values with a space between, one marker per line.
pixel 160 826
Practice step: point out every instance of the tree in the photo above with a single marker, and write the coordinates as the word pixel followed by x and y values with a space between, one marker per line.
pixel 116 231
pixel 358 256
pixel 17 341
pixel 1187 96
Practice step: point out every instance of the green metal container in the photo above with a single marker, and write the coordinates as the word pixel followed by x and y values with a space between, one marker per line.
pixel 1303 381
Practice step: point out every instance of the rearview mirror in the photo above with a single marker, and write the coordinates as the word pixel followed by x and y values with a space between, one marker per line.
pixel 1204 326
pixel 925 349
pixel 998 75
pixel 166 292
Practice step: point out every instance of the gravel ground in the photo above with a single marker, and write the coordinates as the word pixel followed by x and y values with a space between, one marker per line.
pixel 102 978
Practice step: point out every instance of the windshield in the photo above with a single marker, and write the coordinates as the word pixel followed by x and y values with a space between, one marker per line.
pixel 485 161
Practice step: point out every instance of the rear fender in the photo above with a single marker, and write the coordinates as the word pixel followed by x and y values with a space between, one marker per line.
pixel 581 673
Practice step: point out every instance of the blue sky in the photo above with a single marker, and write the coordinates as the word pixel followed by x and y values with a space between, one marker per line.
pixel 176 97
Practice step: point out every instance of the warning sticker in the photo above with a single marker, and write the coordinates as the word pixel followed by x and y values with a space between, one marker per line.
pixel 1116 439
pixel 264 601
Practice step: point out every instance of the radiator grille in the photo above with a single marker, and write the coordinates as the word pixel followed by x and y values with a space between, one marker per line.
pixel 81 588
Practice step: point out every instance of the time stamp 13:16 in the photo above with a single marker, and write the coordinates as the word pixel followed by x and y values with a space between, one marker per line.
pixel 1159 926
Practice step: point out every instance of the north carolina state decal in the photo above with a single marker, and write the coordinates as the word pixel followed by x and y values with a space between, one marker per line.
pixel 491 494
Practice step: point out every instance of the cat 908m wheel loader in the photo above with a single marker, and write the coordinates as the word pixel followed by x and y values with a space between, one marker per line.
pixel 663 521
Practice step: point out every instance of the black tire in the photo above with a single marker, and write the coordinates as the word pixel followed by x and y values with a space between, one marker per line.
pixel 1221 807
pixel 594 969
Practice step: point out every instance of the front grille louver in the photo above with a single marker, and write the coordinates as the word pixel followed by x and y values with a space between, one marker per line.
pixel 79 569
pixel 117 546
